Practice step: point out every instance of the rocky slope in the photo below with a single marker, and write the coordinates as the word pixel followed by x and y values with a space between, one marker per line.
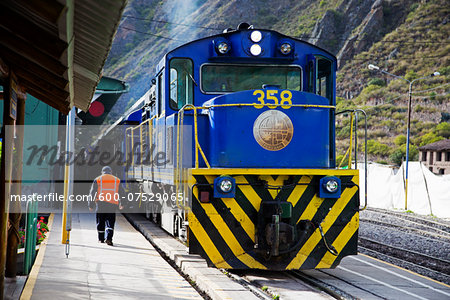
pixel 409 38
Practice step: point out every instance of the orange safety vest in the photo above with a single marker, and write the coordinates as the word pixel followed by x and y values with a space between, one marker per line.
pixel 108 189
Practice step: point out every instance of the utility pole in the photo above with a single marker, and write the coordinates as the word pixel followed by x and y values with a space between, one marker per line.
pixel 411 82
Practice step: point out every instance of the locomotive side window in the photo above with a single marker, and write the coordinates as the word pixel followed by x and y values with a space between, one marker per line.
pixel 181 83
pixel 324 79
pixel 234 78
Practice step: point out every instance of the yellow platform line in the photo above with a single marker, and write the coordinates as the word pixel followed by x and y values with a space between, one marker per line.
pixel 32 277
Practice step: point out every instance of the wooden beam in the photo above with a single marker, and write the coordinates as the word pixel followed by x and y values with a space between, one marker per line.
pixel 4 69
pixel 44 87
pixel 38 71
pixel 27 50
pixel 47 10
pixel 61 105
pixel 32 32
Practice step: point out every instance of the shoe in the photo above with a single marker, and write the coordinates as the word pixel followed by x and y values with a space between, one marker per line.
pixel 109 243
pixel 101 241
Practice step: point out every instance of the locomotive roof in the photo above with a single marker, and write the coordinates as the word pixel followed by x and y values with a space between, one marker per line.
pixel 227 34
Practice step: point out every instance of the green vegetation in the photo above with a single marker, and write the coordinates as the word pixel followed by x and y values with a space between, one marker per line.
pixel 418 52
pixel 377 81
pixel 443 129
pixel 407 43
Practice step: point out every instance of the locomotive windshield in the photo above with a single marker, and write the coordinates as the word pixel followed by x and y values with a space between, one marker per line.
pixel 234 78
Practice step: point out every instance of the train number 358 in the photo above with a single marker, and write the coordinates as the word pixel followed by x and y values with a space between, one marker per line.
pixel 271 99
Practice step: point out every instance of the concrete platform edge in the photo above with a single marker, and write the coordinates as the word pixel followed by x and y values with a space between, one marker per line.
pixel 209 280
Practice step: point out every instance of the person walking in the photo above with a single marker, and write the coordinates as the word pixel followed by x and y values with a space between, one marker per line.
pixel 106 192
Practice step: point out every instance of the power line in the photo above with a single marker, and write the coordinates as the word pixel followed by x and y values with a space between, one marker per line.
pixel 298 37
pixel 417 92
pixel 152 34
pixel 434 88
pixel 167 22
pixel 366 39
pixel 400 58
pixel 360 59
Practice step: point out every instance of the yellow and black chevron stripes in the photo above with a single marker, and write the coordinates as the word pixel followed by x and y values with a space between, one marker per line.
pixel 224 230
pixel 311 253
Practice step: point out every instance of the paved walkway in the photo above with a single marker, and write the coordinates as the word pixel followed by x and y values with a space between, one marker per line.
pixel 131 269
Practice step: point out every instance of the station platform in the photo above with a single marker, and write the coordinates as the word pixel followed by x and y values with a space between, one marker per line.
pixel 131 269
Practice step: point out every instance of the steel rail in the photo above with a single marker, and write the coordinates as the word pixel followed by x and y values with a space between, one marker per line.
pixel 414 219
pixel 431 234
pixel 433 263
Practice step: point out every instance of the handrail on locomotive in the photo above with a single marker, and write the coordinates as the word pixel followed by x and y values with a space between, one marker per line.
pixel 198 148
pixel 354 120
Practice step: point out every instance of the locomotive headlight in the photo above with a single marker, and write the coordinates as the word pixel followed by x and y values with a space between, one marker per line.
pixel 223 48
pixel 285 48
pixel 256 36
pixel 255 50
pixel 224 187
pixel 332 186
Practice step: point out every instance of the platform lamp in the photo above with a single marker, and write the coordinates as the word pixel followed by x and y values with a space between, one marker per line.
pixel 376 68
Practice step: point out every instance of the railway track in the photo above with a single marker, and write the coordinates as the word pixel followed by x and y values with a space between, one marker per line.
pixel 433 226
pixel 357 277
pixel 409 241
pixel 423 260
pixel 433 233
pixel 332 290
pixel 445 278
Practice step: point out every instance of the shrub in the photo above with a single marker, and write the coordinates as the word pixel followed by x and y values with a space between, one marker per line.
pixel 444 70
pixel 413 7
pixel 397 157
pixel 400 140
pixel 377 81
pixel 344 132
pixel 429 138
pixel 411 75
pixel 377 148
pixel 443 129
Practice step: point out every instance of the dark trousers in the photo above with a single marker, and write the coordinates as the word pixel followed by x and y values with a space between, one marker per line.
pixel 105 224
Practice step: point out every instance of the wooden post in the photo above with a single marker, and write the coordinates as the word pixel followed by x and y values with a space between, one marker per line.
pixel 16 189
pixel 5 176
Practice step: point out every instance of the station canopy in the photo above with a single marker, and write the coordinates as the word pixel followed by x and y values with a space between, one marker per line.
pixel 57 48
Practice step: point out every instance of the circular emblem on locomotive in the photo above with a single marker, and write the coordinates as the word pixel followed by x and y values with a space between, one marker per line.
pixel 273 130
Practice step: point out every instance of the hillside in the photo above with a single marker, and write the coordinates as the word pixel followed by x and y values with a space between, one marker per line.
pixel 405 37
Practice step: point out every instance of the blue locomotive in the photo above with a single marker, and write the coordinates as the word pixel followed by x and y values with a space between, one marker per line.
pixel 241 130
